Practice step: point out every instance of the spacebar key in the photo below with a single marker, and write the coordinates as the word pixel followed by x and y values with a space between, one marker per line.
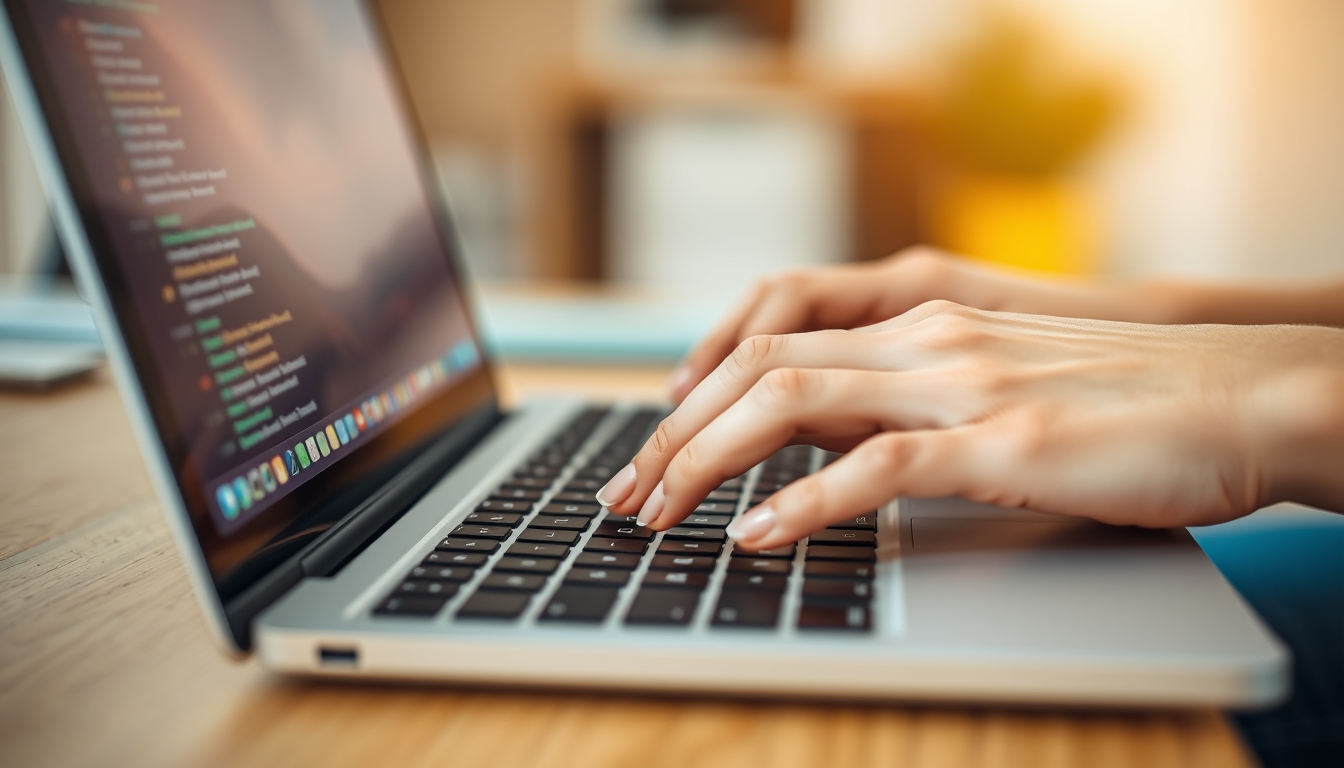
pixel 580 604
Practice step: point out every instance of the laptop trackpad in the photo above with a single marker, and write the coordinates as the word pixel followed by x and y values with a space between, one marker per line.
pixel 942 534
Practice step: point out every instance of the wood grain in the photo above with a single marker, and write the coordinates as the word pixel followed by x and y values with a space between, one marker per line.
pixel 104 659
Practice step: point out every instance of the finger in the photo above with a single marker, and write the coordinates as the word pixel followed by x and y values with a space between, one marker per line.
pixel 926 464
pixel 728 382
pixel 783 405
pixel 834 297
pixel 716 346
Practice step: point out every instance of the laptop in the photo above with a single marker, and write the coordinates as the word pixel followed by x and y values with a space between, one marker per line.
pixel 242 192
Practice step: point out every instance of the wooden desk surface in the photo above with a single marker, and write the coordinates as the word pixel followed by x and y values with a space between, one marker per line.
pixel 104 659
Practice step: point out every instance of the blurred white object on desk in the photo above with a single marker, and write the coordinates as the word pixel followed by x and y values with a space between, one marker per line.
pixel 596 326
pixel 47 337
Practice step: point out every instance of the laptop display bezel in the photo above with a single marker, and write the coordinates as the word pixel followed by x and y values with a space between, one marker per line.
pixel 299 520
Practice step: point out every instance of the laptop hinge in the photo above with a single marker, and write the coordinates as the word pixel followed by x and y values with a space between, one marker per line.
pixel 338 546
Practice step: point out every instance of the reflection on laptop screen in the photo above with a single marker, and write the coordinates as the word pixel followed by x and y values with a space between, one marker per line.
pixel 251 164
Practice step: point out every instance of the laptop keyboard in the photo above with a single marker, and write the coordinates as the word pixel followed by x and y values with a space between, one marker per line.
pixel 540 549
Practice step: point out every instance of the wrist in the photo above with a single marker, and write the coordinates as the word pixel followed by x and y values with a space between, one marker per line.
pixel 1294 423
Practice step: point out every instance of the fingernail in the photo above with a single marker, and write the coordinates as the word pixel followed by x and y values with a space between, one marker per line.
pixel 618 488
pixel 653 506
pixel 753 525
pixel 679 379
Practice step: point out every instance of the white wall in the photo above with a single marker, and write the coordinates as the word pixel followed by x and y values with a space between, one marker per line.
pixel 707 199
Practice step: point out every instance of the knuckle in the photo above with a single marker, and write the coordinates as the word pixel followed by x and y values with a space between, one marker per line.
pixel 919 259
pixel 1032 436
pixel 783 386
pixel 755 352
pixel 946 325
pixel 687 463
pixel 660 442
pixel 988 378
pixel 891 452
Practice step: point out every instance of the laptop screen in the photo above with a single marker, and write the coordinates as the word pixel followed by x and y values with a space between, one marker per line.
pixel 250 182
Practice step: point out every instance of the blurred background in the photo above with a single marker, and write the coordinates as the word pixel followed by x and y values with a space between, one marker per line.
pixel 620 169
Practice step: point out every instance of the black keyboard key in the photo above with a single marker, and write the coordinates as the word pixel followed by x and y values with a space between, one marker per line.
pixel 521 582
pixel 707 521
pixel 543 536
pixel 844 538
pixel 504 505
pixel 771 582
pixel 544 471
pixel 496 532
pixel 572 510
pixel 570 497
pixel 407 605
pixel 854 618
pixel 750 565
pixel 528 549
pixel 585 604
pixel 687 579
pixel 785 552
pixel 682 563
pixel 584 485
pixel 560 523
pixel 607 560
pixel 614 577
pixel 516 494
pixel 453 544
pixel 441 573
pixel 695 534
pixel 728 497
pixel 866 522
pixel 839 569
pixel 837 591
pixel 444 589
pixel 464 559
pixel 511 519
pixel 599 472
pixel 716 508
pixel 494 604
pixel 633 546
pixel 621 520
pixel 531 482
pixel 675 607
pixel 747 608
pixel 537 565
pixel 619 531
pixel 830 552
pixel 708 548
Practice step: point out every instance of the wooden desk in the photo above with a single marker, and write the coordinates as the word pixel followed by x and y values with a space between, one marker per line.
pixel 104 658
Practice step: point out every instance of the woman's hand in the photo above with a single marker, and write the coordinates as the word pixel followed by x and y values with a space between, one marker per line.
pixel 1123 423
pixel 854 295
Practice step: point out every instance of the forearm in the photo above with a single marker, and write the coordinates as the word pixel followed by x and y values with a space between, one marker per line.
pixel 1315 304
pixel 1161 302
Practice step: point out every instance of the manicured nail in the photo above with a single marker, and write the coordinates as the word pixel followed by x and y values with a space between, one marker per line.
pixel 678 380
pixel 618 488
pixel 753 525
pixel 653 506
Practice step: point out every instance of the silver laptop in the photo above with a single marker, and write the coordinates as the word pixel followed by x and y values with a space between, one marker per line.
pixel 242 192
